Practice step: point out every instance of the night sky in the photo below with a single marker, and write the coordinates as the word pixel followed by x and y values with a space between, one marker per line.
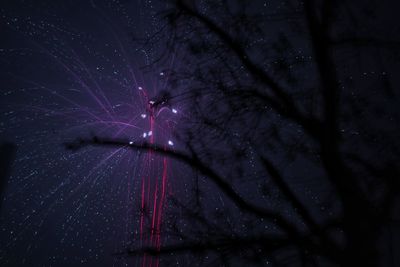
pixel 79 69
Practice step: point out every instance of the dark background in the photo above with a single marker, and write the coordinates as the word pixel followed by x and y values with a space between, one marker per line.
pixel 67 208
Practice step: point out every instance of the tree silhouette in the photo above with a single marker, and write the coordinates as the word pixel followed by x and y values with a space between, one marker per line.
pixel 7 154
pixel 278 99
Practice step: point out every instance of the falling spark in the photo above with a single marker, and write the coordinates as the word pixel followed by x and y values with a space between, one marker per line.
pixel 112 111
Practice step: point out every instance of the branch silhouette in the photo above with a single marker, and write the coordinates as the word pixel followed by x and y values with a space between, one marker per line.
pixel 262 114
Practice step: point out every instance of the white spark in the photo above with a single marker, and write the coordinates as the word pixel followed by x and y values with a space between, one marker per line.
pixel 150 133
pixel 170 143
pixel 131 142
pixel 162 73
pixel 140 88
pixel 174 111
pixel 152 102
pixel 143 115
pixel 144 135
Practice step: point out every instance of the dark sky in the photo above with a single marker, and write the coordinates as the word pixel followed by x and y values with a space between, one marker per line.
pixel 72 69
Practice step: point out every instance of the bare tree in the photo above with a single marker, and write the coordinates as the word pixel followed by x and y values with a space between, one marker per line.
pixel 280 99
